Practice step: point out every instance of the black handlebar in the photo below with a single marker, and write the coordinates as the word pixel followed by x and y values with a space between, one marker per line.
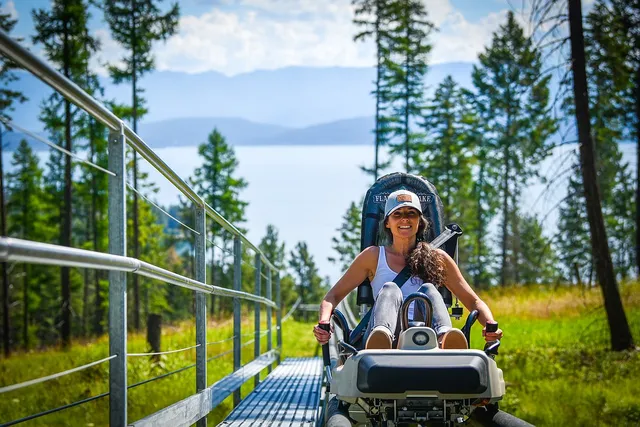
pixel 326 357
pixel 491 347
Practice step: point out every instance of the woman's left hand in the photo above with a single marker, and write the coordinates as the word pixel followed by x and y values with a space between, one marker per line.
pixel 491 336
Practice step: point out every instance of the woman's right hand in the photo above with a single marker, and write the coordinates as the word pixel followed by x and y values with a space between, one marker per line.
pixel 321 335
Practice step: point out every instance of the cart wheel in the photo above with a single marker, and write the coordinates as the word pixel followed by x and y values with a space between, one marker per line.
pixel 336 416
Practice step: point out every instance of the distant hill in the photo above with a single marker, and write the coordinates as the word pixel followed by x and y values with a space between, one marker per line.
pixel 290 97
pixel 192 131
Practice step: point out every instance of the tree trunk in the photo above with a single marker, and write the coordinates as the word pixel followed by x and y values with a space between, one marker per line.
pixel 25 307
pixel 85 291
pixel 6 327
pixel 136 225
pixel 65 327
pixel 621 338
pixel 505 218
pixel 99 314
pixel 479 236
pixel 154 332
pixel 637 99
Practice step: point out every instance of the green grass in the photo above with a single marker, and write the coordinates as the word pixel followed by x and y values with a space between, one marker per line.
pixel 554 355
pixel 142 400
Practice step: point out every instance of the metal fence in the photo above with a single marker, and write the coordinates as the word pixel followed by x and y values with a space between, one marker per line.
pixel 196 407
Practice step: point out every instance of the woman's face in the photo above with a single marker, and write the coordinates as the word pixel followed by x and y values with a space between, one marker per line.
pixel 404 222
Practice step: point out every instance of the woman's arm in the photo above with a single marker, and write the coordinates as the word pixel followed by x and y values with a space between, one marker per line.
pixel 360 269
pixel 355 275
pixel 460 288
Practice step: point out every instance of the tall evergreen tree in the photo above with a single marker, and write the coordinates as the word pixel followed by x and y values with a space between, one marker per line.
pixel 136 24
pixel 63 33
pixel 8 96
pixel 609 80
pixel 538 263
pixel 612 43
pixel 407 65
pixel 347 242
pixel 217 184
pixel 309 284
pixel 373 17
pixel 621 338
pixel 512 98
pixel 25 208
pixel 446 154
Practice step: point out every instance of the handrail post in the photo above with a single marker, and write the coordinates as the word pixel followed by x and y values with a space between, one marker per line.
pixel 256 352
pixel 237 331
pixel 117 281
pixel 201 304
pixel 269 340
pixel 279 316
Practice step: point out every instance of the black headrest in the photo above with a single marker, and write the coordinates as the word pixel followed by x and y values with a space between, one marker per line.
pixel 376 197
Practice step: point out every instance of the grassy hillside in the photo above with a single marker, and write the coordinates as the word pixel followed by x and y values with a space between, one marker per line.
pixel 554 357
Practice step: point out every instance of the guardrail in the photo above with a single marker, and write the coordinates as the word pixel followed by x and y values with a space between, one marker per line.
pixel 119 265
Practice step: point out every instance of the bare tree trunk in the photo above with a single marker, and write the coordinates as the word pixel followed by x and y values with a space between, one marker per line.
pixel 65 328
pixel 621 338
pixel 505 218
pixel 6 327
pixel 637 99
pixel 154 332
pixel 25 307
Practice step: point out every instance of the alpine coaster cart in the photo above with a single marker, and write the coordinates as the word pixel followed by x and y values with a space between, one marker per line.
pixel 417 384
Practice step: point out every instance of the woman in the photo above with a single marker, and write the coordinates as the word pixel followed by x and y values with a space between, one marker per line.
pixel 405 225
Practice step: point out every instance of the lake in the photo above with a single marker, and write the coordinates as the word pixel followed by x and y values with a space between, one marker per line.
pixel 305 190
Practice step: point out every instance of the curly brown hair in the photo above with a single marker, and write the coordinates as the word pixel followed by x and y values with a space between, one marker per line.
pixel 424 261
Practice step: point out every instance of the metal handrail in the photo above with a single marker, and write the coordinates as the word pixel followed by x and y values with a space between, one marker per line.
pixel 27 60
pixel 43 253
pixel 116 261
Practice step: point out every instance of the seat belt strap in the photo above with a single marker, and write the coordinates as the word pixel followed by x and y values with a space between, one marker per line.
pixel 359 330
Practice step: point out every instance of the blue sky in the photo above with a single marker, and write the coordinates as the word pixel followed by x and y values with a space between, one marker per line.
pixel 238 36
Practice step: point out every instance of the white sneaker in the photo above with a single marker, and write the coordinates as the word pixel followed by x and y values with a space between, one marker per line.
pixel 379 339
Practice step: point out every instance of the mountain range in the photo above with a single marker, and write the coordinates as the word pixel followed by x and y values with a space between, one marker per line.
pixel 293 105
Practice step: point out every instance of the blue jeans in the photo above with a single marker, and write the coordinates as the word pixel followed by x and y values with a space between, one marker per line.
pixel 386 310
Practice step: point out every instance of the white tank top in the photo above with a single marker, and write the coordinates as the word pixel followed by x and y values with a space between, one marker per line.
pixel 385 274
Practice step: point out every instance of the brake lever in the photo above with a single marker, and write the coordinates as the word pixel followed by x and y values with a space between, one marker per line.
pixel 347 349
pixel 491 348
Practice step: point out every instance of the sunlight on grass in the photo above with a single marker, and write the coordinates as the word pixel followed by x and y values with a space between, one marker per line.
pixel 554 356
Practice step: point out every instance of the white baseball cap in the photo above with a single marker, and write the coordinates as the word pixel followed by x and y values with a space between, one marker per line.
pixel 399 199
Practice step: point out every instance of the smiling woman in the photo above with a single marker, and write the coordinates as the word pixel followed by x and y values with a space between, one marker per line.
pixel 396 270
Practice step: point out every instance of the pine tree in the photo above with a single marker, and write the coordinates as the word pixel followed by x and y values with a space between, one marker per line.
pixel 612 45
pixel 446 156
pixel 275 252
pixel 407 65
pixel 8 96
pixel 309 284
pixel 63 33
pixel 538 262
pixel 609 85
pixel 373 17
pixel 216 183
pixel 25 208
pixel 512 98
pixel 347 243
pixel 621 338
pixel 136 24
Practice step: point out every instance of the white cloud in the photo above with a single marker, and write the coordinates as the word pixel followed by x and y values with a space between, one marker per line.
pixel 110 52
pixel 10 9
pixel 460 40
pixel 245 35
